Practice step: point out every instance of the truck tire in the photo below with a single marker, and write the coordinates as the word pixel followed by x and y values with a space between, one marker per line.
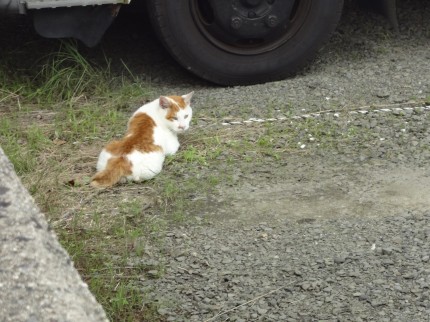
pixel 242 42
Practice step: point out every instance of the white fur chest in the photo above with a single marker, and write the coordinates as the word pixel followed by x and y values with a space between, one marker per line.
pixel 167 140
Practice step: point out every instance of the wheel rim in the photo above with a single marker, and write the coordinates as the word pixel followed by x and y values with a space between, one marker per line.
pixel 249 27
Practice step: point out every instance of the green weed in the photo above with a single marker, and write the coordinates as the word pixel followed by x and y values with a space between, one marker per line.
pixel 192 154
pixel 102 247
pixel 67 75
pixel 49 115
pixel 81 107
pixel 22 145
pixel 89 122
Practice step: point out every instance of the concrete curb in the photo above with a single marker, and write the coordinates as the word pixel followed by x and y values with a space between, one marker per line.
pixel 37 279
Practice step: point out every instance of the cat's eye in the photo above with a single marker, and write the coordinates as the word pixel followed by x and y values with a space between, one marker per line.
pixel 175 118
pixel 186 116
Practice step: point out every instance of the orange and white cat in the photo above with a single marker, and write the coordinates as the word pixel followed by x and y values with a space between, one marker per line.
pixel 151 136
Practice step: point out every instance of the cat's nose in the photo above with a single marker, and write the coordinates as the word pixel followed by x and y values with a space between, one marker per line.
pixel 181 127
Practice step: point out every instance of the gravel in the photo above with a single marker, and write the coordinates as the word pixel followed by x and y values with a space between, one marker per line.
pixel 361 254
pixel 336 270
pixel 364 64
pixel 338 234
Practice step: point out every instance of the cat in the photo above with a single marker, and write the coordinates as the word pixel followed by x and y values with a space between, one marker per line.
pixel 151 136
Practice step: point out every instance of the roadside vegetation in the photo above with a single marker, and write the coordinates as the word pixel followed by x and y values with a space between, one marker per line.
pixel 58 110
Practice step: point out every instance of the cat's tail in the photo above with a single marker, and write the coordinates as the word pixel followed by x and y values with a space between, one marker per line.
pixel 116 168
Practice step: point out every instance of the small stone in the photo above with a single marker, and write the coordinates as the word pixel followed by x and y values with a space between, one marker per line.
pixel 261 311
pixel 409 276
pixel 153 273
pixel 419 110
pixel 376 303
pixel 397 287
pixel 379 282
pixel 408 110
pixel 387 262
pixel 227 260
pixel 354 274
pixel 339 260
pixel 364 297
pixel 237 319
pixel 328 289
pixel 387 251
pixel 398 111
pixel 162 311
pixel 328 261
pixel 415 290
pixel 383 94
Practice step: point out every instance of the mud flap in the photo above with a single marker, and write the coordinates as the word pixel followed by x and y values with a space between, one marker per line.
pixel 389 10
pixel 88 24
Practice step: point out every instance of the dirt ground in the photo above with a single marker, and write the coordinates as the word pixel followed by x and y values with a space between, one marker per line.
pixel 362 167
pixel 309 189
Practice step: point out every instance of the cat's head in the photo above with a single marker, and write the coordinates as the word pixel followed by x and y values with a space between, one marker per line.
pixel 177 111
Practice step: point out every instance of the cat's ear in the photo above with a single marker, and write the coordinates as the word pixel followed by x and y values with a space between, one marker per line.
pixel 187 98
pixel 165 102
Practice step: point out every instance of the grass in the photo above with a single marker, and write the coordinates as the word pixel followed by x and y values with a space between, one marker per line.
pixel 22 147
pixel 54 118
pixel 66 75
pixel 102 250
pixel 56 114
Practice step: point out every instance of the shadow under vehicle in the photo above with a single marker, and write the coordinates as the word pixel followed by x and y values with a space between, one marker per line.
pixel 228 42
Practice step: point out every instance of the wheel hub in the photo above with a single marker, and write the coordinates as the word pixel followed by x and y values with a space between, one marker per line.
pixel 250 19
pixel 251 3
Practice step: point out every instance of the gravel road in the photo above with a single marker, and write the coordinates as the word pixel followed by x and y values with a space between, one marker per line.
pixel 339 234
pixel 328 235
pixel 365 63
pixel 308 270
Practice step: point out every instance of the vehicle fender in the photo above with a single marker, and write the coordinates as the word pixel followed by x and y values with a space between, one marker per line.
pixel 12 6
pixel 88 24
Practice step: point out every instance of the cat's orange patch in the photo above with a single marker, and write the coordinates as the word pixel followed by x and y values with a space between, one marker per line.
pixel 178 104
pixel 139 137
pixel 115 169
pixel 179 101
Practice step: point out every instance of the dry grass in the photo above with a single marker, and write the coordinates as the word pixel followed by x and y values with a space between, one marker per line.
pixel 53 136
